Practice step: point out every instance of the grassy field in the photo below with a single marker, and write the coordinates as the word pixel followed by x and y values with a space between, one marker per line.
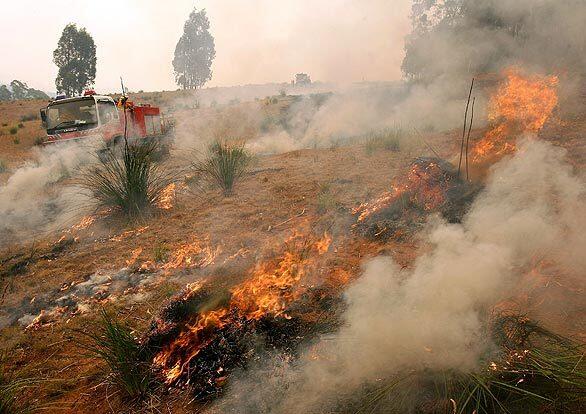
pixel 313 189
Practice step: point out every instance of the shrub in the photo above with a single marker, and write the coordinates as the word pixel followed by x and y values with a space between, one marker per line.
pixel 20 125
pixel 160 252
pixel 3 166
pixel 224 165
pixel 39 141
pixel 16 141
pixel 13 130
pixel 325 201
pixel 127 362
pixel 29 117
pixel 132 182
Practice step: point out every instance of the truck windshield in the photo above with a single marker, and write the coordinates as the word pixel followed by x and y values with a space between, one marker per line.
pixel 67 114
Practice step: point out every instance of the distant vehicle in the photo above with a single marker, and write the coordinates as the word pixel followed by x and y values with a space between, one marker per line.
pixel 100 117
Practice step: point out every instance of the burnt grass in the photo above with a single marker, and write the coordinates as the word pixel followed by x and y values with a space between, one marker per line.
pixel 243 341
pixel 407 213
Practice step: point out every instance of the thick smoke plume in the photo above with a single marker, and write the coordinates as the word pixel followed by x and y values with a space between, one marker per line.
pixel 433 316
pixel 37 197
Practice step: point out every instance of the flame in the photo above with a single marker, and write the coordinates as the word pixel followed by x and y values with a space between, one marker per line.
pixel 167 197
pixel 522 104
pixel 195 254
pixel 269 289
pixel 422 185
pixel 129 233
pixel 84 223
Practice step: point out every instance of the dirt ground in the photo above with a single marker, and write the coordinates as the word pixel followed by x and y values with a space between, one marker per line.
pixel 282 193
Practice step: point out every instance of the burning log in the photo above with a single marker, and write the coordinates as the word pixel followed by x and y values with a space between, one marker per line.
pixel 432 185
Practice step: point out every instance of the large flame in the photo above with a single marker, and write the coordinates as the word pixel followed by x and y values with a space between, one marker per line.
pixel 522 104
pixel 269 289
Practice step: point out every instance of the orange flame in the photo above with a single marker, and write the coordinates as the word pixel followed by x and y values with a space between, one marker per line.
pixel 167 197
pixel 522 104
pixel 195 254
pixel 421 186
pixel 271 287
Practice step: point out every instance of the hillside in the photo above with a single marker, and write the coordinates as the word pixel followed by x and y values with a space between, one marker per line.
pixel 55 283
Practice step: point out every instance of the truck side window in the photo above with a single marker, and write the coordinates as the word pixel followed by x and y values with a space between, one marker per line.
pixel 108 112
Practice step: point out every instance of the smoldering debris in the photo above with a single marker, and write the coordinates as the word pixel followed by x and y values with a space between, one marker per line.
pixel 432 185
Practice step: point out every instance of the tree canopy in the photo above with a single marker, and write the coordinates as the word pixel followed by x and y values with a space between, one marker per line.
pixel 75 57
pixel 195 52
pixel 466 37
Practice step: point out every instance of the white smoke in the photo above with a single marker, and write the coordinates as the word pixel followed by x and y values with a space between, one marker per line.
pixel 433 315
pixel 39 195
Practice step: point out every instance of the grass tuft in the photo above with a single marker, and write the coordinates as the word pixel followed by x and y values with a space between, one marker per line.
pixel 388 139
pixel 127 362
pixel 534 370
pixel 11 391
pixel 224 165
pixel 132 182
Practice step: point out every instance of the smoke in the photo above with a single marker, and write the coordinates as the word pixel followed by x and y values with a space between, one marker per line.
pixel 433 315
pixel 39 196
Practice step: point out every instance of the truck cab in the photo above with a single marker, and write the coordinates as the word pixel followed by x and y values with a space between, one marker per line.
pixel 99 117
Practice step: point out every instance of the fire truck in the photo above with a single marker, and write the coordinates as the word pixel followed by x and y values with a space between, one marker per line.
pixel 100 117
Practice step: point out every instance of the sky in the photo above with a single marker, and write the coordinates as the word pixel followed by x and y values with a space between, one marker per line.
pixel 257 41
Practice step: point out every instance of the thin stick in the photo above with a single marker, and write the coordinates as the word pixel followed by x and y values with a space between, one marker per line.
pixel 465 125
pixel 468 137
pixel 425 142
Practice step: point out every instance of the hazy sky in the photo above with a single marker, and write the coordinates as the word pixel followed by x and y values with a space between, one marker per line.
pixel 257 41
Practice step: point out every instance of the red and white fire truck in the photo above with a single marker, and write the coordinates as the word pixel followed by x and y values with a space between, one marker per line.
pixel 100 117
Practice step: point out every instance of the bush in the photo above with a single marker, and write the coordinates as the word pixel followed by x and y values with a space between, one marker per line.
pixel 16 141
pixel 29 117
pixel 132 182
pixel 325 201
pixel 3 166
pixel 224 165
pixel 20 125
pixel 13 130
pixel 39 141
pixel 128 364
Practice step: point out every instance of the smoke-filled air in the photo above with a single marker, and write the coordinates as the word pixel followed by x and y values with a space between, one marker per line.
pixel 303 207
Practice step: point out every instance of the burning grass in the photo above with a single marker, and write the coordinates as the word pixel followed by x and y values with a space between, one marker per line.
pixel 205 334
pixel 224 165
pixel 522 104
pixel 431 185
pixel 133 183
